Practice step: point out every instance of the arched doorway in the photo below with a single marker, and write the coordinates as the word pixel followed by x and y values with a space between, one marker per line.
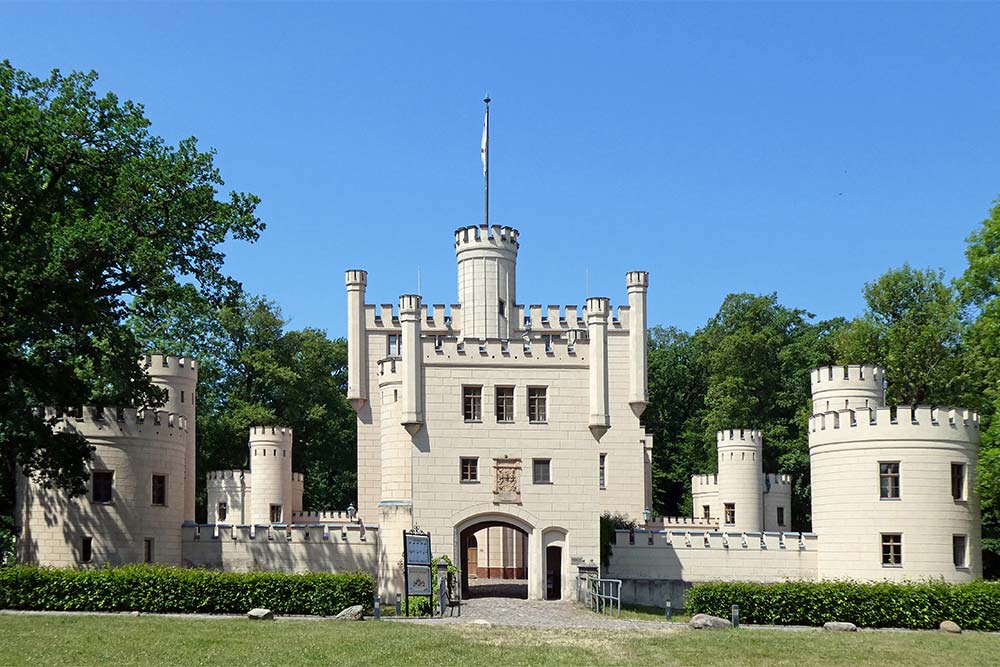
pixel 494 555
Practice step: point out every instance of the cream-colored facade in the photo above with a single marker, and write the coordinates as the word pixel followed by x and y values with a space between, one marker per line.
pixel 493 414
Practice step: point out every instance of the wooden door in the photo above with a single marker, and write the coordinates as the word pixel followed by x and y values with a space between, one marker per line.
pixel 472 556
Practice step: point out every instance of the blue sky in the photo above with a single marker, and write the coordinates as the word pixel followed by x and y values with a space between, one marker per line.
pixel 797 148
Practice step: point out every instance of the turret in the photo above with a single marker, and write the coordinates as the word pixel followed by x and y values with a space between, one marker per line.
pixel 487 280
pixel 740 479
pixel 179 376
pixel 357 339
pixel 598 310
pixel 637 283
pixel 847 388
pixel 412 414
pixel 271 467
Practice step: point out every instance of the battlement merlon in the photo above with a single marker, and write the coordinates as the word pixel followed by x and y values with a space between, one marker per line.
pixel 271 436
pixel 482 236
pixel 739 438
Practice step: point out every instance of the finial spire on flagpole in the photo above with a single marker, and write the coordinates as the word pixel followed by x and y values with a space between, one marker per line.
pixel 486 158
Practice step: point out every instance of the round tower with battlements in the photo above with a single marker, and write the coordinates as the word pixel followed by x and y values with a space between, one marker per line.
pixel 179 377
pixel 893 488
pixel 271 468
pixel 740 480
pixel 487 280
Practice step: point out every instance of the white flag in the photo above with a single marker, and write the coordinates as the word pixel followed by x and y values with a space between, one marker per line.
pixel 486 140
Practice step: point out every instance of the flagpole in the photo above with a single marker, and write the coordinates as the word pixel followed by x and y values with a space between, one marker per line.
pixel 487 175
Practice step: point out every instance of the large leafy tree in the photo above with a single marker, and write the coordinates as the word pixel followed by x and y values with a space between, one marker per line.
pixel 252 371
pixel 94 211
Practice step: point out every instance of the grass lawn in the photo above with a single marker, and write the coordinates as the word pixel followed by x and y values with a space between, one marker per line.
pixel 149 640
pixel 642 613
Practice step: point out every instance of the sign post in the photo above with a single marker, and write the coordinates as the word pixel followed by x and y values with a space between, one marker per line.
pixel 416 566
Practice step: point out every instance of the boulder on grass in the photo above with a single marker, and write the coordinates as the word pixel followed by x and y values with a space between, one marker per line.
pixel 701 621
pixel 950 626
pixel 259 614
pixel 352 613
pixel 836 626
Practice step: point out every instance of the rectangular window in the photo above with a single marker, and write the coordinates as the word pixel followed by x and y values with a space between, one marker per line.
pixel 536 404
pixel 602 478
pixel 959 547
pixel 888 474
pixel 86 549
pixel 472 403
pixel 182 395
pixel 781 516
pixel 505 404
pixel 706 512
pixel 394 345
pixel 541 471
pixel 470 469
pixel 223 511
pixel 958 481
pixel 159 490
pixel 501 308
pixel 102 485
pixel 892 550
pixel 147 550
pixel 730 513
pixel 548 344
pixel 275 513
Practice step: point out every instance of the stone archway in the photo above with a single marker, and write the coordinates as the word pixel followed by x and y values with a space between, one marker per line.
pixel 498 550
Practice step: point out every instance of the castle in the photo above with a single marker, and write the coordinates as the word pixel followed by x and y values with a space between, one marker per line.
pixel 505 431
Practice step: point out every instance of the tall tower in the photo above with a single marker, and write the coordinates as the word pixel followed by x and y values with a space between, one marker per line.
pixel 741 479
pixel 179 376
pixel 271 472
pixel 357 338
pixel 487 280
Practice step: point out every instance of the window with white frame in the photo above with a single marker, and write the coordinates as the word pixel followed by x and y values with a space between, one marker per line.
pixel 472 404
pixel 536 405
pixel 888 479
pixel 958 481
pixel 505 404
pixel 960 550
pixel 892 549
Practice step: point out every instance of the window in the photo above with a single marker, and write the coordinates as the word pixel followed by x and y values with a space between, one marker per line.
pixel 502 308
pixel 706 512
pixel 505 404
pixel 470 469
pixel 86 549
pixel 159 490
pixel 182 395
pixel 541 471
pixel 223 511
pixel 275 513
pixel 102 486
pixel 959 544
pixel 147 550
pixel 536 404
pixel 472 403
pixel 730 513
pixel 602 478
pixel 548 344
pixel 888 474
pixel 892 550
pixel 394 345
pixel 781 516
pixel 958 481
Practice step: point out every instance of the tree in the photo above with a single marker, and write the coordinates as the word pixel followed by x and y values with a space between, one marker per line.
pixel 94 212
pixel 913 327
pixel 251 371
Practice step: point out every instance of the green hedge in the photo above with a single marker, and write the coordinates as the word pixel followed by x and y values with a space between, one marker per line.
pixel 974 606
pixel 154 588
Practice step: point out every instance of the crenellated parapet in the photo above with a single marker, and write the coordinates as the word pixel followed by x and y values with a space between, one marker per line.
pixel 739 438
pixel 101 422
pixel 567 349
pixel 167 365
pixel 226 475
pixel 838 387
pixel 897 423
pixel 271 434
pixel 486 236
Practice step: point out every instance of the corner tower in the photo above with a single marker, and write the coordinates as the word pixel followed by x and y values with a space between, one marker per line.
pixel 487 280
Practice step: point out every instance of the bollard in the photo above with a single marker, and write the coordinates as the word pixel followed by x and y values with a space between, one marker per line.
pixel 736 616
pixel 669 612
pixel 376 608
pixel 399 604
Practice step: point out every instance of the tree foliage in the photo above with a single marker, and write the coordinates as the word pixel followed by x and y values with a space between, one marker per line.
pixel 253 372
pixel 94 211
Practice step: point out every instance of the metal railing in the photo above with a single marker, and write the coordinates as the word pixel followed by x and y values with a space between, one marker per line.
pixel 603 596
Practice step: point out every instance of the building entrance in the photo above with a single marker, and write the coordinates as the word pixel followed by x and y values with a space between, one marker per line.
pixel 494 558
